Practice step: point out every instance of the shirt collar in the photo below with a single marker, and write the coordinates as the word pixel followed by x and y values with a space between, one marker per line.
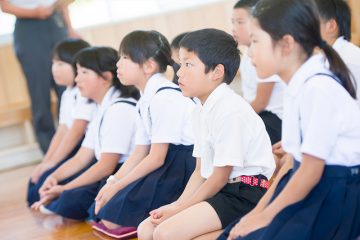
pixel 215 96
pixel 109 96
pixel 339 44
pixel 312 66
pixel 151 86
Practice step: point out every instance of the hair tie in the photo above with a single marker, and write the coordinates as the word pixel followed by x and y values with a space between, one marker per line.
pixel 322 44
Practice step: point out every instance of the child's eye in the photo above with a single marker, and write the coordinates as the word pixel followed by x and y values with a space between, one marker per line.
pixel 188 64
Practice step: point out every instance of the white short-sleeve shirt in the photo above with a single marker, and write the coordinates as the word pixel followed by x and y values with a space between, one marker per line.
pixel 320 117
pixel 74 106
pixel 113 128
pixel 32 3
pixel 350 54
pixel 165 116
pixel 249 82
pixel 228 132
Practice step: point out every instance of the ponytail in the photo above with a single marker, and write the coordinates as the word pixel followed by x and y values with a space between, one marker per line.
pixel 339 69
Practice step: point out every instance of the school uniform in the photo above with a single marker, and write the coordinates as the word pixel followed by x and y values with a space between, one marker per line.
pixel 320 119
pixel 72 107
pixel 228 132
pixel 272 114
pixel 111 131
pixel 163 116
pixel 350 54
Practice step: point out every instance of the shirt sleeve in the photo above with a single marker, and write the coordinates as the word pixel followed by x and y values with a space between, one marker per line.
pixel 196 123
pixel 84 109
pixel 118 129
pixel 89 140
pixel 63 109
pixel 320 121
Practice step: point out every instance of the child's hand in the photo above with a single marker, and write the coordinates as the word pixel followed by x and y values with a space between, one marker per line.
pixel 39 171
pixel 49 183
pixel 278 150
pixel 36 205
pixel 104 195
pixel 249 224
pixel 54 192
pixel 159 215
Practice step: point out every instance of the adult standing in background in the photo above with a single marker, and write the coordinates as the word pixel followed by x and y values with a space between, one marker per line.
pixel 40 24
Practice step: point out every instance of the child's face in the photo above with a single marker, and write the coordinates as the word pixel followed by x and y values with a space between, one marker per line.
pixel 128 72
pixel 88 82
pixel 264 55
pixel 63 73
pixel 241 26
pixel 193 80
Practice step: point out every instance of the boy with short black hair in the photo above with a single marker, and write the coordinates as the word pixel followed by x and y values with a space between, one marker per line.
pixel 233 150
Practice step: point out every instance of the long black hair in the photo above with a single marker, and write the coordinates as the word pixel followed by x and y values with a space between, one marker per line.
pixel 104 59
pixel 299 18
pixel 141 46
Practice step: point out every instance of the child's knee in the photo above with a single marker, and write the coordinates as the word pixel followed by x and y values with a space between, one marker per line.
pixel 145 230
pixel 162 233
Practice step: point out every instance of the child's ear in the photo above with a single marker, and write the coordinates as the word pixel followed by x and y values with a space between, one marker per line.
pixel 331 27
pixel 219 72
pixel 150 66
pixel 287 44
pixel 108 76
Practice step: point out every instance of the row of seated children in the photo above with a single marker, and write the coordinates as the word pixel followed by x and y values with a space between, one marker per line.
pixel 233 151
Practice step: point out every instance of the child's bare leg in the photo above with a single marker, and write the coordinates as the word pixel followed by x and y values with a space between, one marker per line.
pixel 189 223
pixel 145 230
pixel 209 236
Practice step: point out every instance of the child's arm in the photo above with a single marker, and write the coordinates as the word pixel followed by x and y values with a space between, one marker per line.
pixel 82 158
pixel 207 189
pixel 139 153
pixel 19 12
pixel 46 163
pixel 193 184
pixel 263 94
pixel 70 141
pixel 304 180
pixel 96 172
pixel 154 160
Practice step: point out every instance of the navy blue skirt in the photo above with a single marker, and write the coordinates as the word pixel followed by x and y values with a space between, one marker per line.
pixel 131 205
pixel 33 188
pixel 74 203
pixel 330 211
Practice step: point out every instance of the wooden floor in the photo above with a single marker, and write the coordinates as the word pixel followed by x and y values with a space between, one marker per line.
pixel 17 222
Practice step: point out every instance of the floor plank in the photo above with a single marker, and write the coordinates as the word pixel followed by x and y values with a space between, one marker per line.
pixel 18 222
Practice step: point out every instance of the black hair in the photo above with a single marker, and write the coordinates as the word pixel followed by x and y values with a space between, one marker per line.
pixel 68 48
pixel 103 59
pixel 140 46
pixel 338 10
pixel 175 45
pixel 213 47
pixel 300 19
pixel 246 4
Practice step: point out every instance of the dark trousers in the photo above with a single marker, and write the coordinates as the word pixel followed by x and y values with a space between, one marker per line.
pixel 34 41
